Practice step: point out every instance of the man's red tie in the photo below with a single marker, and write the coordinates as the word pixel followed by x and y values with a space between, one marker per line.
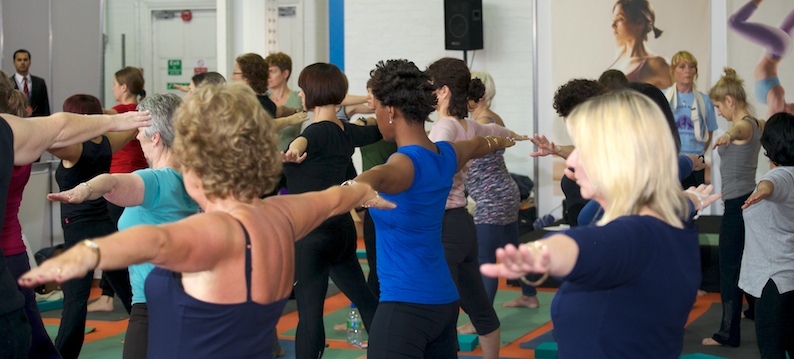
pixel 25 87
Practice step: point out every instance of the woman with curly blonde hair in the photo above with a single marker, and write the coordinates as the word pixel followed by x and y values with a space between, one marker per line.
pixel 232 264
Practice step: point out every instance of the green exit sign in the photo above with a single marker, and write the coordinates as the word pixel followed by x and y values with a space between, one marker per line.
pixel 175 67
pixel 172 85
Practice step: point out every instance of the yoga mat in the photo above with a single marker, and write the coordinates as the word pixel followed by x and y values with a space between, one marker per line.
pixel 117 314
pixel 52 330
pixel 707 324
pixel 517 322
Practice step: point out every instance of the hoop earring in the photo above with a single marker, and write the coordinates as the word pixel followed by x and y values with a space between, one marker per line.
pixel 391 120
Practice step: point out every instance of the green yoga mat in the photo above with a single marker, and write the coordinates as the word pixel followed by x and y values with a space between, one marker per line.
pixel 52 330
pixel 516 322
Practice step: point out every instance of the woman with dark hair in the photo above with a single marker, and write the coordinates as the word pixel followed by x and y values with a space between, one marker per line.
pixel 79 163
pixel 223 276
pixel 767 271
pixel 738 149
pixel 633 21
pixel 454 88
pixel 252 69
pixel 416 318
pixel 316 160
pixel 127 89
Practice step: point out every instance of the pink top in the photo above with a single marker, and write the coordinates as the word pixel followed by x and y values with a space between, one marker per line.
pixel 450 129
pixel 11 238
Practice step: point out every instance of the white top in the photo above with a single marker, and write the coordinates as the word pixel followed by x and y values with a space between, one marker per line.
pixel 769 237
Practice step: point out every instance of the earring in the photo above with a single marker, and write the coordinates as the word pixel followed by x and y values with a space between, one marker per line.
pixel 391 120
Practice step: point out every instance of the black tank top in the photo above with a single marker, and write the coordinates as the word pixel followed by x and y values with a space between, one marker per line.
pixel 94 160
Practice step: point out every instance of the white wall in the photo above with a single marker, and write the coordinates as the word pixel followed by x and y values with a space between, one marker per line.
pixel 414 30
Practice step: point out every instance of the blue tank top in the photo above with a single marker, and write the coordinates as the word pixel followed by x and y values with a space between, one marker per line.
pixel 185 327
pixel 411 263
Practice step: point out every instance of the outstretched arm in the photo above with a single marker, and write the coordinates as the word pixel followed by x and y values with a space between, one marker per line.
pixel 741 131
pixel 546 147
pixel 308 210
pixel 394 176
pixel 294 119
pixel 125 190
pixel 477 147
pixel 297 150
pixel 35 135
pixel 555 255
pixel 764 190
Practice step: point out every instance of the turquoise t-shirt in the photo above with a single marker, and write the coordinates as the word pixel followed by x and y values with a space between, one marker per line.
pixel 164 200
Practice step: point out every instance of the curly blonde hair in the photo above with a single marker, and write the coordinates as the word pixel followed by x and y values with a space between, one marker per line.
pixel 225 137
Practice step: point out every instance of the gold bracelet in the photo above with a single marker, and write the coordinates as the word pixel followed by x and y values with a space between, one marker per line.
pixel 537 282
pixel 94 247
pixel 490 148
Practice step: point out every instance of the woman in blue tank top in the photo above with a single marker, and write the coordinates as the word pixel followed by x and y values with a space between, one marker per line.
pixel 418 307
pixel 222 276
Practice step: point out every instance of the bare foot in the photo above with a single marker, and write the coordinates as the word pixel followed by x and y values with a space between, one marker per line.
pixel 523 301
pixel 467 329
pixel 281 353
pixel 711 342
pixel 362 357
pixel 103 304
pixel 341 327
pixel 701 292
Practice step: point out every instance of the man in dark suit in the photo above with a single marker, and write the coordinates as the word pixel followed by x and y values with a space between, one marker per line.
pixel 33 86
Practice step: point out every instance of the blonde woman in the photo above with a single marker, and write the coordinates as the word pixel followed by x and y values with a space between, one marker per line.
pixel 738 148
pixel 631 278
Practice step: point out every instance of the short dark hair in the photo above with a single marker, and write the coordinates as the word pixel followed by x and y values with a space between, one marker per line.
pixel 613 79
pixel 21 50
pixel 280 60
pixel 778 139
pixel 254 69
pixel 400 84
pixel 574 92
pixel 208 77
pixel 454 74
pixel 322 84
pixel 82 104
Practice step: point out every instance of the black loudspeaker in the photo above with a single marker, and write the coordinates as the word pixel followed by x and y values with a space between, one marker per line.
pixel 463 24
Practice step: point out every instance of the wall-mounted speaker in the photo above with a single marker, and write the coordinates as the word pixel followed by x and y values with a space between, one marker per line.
pixel 463 22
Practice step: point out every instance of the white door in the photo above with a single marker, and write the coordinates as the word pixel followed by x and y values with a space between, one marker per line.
pixel 181 48
pixel 290 36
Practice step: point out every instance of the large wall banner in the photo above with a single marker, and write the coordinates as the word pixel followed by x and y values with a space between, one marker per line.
pixel 637 37
pixel 759 49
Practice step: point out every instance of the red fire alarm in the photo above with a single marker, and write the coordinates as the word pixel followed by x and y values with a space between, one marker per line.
pixel 187 15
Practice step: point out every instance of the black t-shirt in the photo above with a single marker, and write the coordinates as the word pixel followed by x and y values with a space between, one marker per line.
pixel 327 155
pixel 94 160
pixel 10 297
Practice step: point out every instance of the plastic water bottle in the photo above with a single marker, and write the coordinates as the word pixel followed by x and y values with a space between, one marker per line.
pixel 543 221
pixel 353 326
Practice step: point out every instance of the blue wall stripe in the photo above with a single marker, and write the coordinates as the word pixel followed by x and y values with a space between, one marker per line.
pixel 336 32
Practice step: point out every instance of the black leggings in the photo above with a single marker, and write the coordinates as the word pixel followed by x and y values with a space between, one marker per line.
pixel 408 330
pixel 774 322
pixel 329 250
pixel 136 340
pixel 459 236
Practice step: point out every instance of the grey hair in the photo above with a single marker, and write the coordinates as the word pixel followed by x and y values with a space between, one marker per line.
pixel 161 107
